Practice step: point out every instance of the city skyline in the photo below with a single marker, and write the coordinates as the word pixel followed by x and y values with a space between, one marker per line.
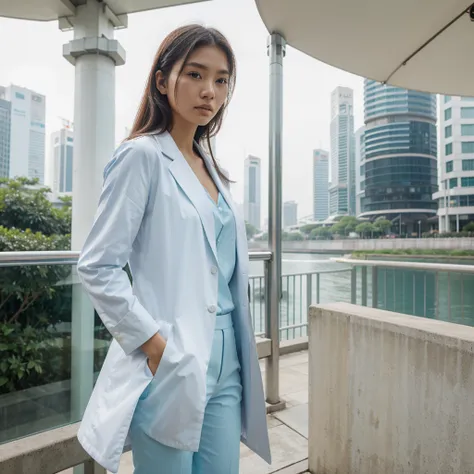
pixel 27 131
pixel 36 62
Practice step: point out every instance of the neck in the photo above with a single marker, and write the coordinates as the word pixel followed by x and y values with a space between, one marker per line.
pixel 183 136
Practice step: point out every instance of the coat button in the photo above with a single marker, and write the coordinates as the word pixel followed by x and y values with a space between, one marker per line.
pixel 213 270
pixel 212 309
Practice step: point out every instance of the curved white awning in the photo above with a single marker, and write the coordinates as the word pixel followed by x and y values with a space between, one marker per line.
pixel 48 10
pixel 415 44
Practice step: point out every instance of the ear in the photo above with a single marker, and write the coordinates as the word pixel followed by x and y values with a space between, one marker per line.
pixel 161 83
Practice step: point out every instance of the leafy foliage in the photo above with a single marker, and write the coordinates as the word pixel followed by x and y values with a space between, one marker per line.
pixel 31 300
pixel 24 205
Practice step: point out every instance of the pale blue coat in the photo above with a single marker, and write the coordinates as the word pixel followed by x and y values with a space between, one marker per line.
pixel 154 215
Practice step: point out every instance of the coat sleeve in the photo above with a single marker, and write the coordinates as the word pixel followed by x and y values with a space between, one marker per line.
pixel 122 204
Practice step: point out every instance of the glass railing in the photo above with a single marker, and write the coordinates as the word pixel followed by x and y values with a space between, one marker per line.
pixel 53 344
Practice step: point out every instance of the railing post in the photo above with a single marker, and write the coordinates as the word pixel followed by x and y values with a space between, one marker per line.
pixel 364 286
pixel 318 287
pixel 354 285
pixel 276 52
pixel 309 292
pixel 375 287
pixel 91 467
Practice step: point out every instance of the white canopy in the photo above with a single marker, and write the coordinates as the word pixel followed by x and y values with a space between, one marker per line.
pixel 424 45
pixel 48 10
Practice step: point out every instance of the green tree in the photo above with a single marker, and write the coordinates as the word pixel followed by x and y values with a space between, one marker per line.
pixel 345 226
pixel 365 228
pixel 31 300
pixel 24 205
pixel 469 227
pixel 321 233
pixel 382 225
pixel 292 236
pixel 308 228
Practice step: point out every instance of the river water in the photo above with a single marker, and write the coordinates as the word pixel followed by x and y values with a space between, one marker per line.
pixel 448 297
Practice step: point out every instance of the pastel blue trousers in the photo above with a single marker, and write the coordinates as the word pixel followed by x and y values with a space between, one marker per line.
pixel 219 448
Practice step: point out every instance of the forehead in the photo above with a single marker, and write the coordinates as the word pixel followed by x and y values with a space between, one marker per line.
pixel 211 57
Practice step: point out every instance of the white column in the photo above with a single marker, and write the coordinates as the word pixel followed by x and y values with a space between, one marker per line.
pixel 94 53
pixel 457 222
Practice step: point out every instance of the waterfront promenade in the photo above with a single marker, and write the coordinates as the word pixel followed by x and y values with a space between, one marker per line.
pixel 352 245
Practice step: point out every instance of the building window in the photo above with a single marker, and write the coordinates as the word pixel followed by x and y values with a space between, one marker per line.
pixel 467 147
pixel 448 149
pixel 468 165
pixel 19 95
pixel 467 112
pixel 467 129
pixel 467 182
pixel 453 182
pixel 447 98
pixel 448 114
pixel 449 166
pixel 448 131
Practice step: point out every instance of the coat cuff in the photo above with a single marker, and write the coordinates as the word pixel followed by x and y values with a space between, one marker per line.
pixel 134 330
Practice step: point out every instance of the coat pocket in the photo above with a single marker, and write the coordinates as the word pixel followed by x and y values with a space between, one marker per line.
pixel 167 334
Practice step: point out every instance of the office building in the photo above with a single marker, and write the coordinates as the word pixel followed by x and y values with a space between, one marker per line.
pixel 27 132
pixel 455 196
pixel 359 153
pixel 400 156
pixel 320 184
pixel 5 121
pixel 62 150
pixel 342 188
pixel 290 214
pixel 252 190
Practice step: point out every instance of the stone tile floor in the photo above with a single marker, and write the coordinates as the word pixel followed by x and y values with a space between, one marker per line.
pixel 288 428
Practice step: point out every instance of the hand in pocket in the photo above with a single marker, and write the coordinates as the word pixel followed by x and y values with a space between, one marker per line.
pixel 154 348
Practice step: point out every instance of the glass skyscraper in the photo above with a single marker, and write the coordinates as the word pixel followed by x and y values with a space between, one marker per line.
pixel 399 160
pixel 342 188
pixel 5 120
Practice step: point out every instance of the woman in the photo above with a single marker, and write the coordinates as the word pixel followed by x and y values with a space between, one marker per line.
pixel 181 381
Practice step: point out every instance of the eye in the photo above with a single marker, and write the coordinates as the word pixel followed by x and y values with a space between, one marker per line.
pixel 194 75
pixel 223 80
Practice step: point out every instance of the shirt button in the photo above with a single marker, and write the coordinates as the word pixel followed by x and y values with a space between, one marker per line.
pixel 213 270
pixel 212 309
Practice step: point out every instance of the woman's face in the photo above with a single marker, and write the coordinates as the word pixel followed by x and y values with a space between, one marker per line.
pixel 198 93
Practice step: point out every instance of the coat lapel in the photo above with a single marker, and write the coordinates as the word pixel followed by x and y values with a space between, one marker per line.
pixel 242 253
pixel 189 183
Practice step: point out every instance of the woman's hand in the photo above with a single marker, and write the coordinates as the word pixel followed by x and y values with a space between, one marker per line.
pixel 154 348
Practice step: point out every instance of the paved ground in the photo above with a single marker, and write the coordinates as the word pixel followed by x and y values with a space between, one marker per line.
pixel 288 428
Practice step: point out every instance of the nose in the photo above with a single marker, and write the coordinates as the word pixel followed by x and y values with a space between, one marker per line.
pixel 208 91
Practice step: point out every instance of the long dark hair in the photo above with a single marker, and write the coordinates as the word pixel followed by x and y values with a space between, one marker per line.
pixel 154 113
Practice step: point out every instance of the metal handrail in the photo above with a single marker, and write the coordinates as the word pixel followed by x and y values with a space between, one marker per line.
pixel 435 267
pixel 70 257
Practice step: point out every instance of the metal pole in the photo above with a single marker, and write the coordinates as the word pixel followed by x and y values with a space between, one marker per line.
pixel 276 51
pixel 354 285
pixel 375 287
pixel 364 286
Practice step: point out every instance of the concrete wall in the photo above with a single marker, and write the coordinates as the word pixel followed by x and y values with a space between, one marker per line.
pixel 346 246
pixel 389 393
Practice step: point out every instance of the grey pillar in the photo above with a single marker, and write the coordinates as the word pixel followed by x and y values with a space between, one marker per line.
pixel 276 52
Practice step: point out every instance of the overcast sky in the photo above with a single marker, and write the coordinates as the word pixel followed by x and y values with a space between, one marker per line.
pixel 31 56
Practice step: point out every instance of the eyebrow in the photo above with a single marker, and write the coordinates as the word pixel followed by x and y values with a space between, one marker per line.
pixel 206 68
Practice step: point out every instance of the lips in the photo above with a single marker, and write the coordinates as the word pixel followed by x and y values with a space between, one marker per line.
pixel 204 107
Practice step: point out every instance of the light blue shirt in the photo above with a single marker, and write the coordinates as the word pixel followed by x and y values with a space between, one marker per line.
pixel 224 224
